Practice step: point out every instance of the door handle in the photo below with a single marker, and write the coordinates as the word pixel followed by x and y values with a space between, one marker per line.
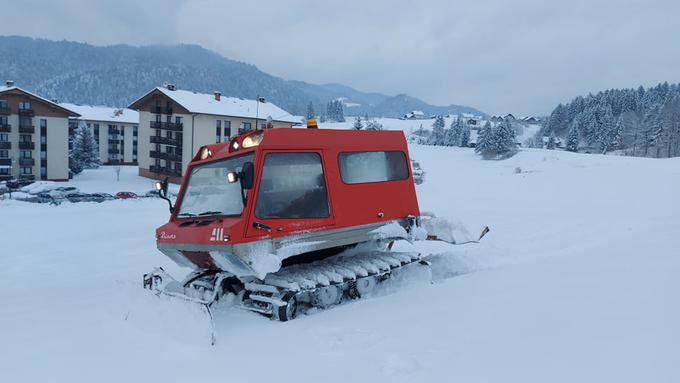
pixel 262 226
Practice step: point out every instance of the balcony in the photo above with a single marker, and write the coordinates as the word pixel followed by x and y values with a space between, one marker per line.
pixel 165 141
pixel 5 145
pixel 5 128
pixel 5 162
pixel 174 126
pixel 27 145
pixel 5 111
pixel 26 129
pixel 165 156
pixel 29 177
pixel 26 162
pixel 27 112
pixel 166 171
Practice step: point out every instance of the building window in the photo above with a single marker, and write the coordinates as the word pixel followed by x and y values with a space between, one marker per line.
pixel 4 137
pixel 365 167
pixel 25 121
pixel 134 132
pixel 178 120
pixel 43 172
pixel 168 119
pixel 25 154
pixel 158 162
pixel 43 139
pixel 26 170
pixel 4 120
pixel 3 104
pixel 158 117
pixel 43 155
pixel 218 131
pixel 25 105
pixel 4 153
pixel 89 126
pixel 245 126
pixel 25 138
pixel 227 130
pixel 4 171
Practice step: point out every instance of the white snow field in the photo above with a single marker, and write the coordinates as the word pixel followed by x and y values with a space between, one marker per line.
pixel 576 282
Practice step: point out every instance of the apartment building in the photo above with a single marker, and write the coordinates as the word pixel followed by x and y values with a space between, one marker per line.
pixel 33 136
pixel 174 124
pixel 114 129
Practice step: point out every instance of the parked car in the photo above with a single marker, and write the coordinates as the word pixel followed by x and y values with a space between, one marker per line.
pixel 126 195
pixel 42 198
pixel 101 197
pixel 18 183
pixel 77 197
pixel 62 191
pixel 152 194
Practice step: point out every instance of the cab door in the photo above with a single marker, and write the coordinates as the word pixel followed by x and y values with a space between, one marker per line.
pixel 292 194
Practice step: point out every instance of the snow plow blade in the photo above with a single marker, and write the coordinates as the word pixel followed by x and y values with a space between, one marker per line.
pixel 455 233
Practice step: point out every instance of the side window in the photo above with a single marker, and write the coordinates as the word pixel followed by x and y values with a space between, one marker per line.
pixel 365 167
pixel 292 186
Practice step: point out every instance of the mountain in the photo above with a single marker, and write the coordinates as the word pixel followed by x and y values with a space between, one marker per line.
pixel 116 75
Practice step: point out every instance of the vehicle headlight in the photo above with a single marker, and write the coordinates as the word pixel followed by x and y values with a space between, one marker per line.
pixel 205 153
pixel 252 140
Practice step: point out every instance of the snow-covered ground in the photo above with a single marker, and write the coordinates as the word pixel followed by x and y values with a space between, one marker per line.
pixel 577 281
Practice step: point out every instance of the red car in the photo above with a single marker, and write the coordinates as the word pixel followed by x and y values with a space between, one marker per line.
pixel 126 195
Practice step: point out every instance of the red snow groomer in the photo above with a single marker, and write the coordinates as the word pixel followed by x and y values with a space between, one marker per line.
pixel 288 219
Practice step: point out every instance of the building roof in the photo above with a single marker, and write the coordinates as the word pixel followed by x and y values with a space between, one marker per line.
pixel 70 112
pixel 202 103
pixel 104 113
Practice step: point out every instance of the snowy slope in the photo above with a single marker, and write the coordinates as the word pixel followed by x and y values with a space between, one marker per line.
pixel 577 281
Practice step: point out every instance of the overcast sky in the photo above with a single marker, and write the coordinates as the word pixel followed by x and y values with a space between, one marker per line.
pixel 521 56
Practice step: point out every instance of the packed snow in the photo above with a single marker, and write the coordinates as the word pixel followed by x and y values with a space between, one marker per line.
pixel 576 281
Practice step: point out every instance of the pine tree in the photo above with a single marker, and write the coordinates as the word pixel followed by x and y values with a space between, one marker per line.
pixel 437 137
pixel 373 125
pixel 84 153
pixel 504 138
pixel 453 134
pixel 357 123
pixel 485 145
pixel 551 142
pixel 465 137
pixel 572 138
pixel 310 111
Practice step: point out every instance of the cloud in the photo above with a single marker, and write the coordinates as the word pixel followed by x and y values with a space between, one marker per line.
pixel 523 56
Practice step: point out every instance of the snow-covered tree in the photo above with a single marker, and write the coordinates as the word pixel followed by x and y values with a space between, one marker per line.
pixel 84 153
pixel 373 125
pixel 310 111
pixel 453 134
pixel 485 145
pixel 465 137
pixel 572 138
pixel 550 145
pixel 437 137
pixel 504 138
pixel 358 125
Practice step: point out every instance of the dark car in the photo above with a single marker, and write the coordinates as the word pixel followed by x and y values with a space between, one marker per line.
pixel 16 184
pixel 101 197
pixel 126 195
pixel 77 197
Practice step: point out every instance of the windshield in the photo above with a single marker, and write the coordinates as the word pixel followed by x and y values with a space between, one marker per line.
pixel 209 193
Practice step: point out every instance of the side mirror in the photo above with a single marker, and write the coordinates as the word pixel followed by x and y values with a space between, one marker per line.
pixel 247 175
pixel 162 187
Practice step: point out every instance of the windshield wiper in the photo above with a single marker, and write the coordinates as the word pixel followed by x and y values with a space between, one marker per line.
pixel 210 213
pixel 184 215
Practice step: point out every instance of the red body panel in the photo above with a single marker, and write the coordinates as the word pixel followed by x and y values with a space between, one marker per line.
pixel 350 205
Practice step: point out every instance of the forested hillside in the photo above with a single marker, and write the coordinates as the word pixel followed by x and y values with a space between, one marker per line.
pixel 117 75
pixel 638 122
